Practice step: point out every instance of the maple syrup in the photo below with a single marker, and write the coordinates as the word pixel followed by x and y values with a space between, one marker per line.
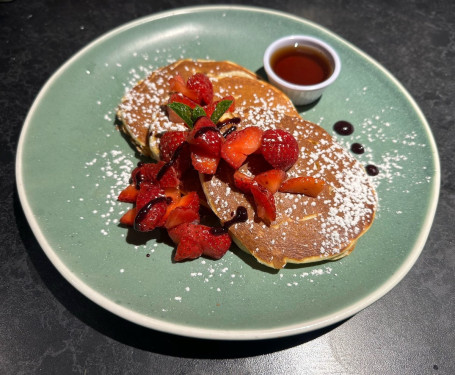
pixel 301 65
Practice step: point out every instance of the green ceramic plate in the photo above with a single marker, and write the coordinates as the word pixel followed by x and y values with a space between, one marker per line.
pixel 72 163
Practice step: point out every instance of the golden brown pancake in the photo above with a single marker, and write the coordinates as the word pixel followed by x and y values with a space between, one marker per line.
pixel 143 114
pixel 306 229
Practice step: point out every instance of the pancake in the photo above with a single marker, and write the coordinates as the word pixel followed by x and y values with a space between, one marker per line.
pixel 306 229
pixel 143 115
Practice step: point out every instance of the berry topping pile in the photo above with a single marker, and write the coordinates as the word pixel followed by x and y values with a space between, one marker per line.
pixel 160 203
pixel 156 189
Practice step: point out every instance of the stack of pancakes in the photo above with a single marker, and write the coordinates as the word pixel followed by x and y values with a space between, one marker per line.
pixel 306 229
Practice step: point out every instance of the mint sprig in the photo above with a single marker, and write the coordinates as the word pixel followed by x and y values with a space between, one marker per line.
pixel 198 111
pixel 189 116
pixel 220 109
pixel 183 111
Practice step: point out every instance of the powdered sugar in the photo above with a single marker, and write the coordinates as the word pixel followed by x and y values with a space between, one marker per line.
pixel 115 167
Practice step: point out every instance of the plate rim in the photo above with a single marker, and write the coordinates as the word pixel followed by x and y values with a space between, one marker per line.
pixel 210 333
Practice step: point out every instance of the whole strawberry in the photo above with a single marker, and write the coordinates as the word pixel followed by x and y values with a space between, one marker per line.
pixel 279 148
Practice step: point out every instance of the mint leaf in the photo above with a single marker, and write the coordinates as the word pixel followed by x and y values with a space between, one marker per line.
pixel 220 109
pixel 198 111
pixel 184 112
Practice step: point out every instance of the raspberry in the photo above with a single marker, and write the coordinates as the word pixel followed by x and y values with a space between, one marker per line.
pixel 279 148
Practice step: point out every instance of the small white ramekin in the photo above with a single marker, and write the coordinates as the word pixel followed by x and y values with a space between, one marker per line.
pixel 301 94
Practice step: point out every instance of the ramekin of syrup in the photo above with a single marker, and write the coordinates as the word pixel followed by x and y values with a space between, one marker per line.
pixel 302 67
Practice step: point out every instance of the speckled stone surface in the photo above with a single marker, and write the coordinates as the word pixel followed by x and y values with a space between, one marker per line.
pixel 47 327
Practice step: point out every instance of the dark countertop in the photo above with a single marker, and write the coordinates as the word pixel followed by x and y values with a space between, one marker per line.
pixel 48 327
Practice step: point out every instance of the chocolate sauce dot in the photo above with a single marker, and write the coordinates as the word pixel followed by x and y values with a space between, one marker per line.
pixel 343 128
pixel 357 148
pixel 372 170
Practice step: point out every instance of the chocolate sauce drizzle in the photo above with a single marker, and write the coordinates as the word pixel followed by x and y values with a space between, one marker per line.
pixel 234 121
pixel 241 215
pixel 199 133
pixel 204 130
pixel 142 213
pixel 170 163
pixel 229 131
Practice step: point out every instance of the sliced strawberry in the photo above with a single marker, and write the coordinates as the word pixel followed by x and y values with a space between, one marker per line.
pixel 177 84
pixel 197 235
pixel 205 138
pixel 155 173
pixel 279 148
pixel 204 163
pixel 190 200
pixel 271 179
pixel 210 108
pixel 173 196
pixel 147 192
pixel 128 217
pixel 128 194
pixel 265 203
pixel 176 80
pixel 151 205
pixel 242 181
pixel 239 144
pixel 172 193
pixel 187 248
pixel 181 215
pixel 215 246
pixel 303 185
pixel 201 84
pixel 185 210
pixel 166 176
pixel 178 98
